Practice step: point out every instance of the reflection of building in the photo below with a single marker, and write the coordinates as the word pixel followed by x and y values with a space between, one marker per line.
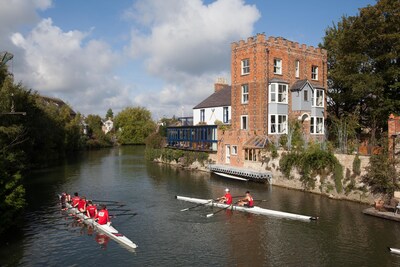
pixel 108 125
pixel 274 81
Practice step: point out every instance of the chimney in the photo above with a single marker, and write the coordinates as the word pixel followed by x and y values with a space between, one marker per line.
pixel 221 83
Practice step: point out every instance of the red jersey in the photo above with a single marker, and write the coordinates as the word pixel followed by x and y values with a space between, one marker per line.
pixel 82 204
pixel 103 217
pixel 75 201
pixel 91 211
pixel 250 203
pixel 228 198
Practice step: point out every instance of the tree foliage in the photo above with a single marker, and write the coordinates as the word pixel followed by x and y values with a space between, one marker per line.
pixel 364 65
pixel 134 125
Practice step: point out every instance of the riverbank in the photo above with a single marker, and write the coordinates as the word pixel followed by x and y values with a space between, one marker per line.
pixel 353 187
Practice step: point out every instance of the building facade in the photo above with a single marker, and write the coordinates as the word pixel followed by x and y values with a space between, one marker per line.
pixel 274 81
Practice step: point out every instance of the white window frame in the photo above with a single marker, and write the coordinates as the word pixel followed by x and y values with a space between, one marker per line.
pixel 277 66
pixel 318 98
pixel 251 154
pixel 234 150
pixel 244 122
pixel 225 111
pixel 245 93
pixel 245 66
pixel 314 72
pixel 297 68
pixel 317 125
pixel 277 124
pixel 278 93
pixel 202 115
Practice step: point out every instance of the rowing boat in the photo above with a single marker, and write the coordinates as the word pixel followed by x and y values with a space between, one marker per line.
pixel 105 228
pixel 394 250
pixel 255 209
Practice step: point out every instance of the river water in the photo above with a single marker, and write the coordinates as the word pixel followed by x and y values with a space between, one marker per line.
pixel 343 236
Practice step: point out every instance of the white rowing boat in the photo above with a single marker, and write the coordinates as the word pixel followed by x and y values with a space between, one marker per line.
pixel 255 209
pixel 231 176
pixel 394 250
pixel 105 228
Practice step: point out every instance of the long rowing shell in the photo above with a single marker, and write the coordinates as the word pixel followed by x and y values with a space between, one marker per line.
pixel 255 209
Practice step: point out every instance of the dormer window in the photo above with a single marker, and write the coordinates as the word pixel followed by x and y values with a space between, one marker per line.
pixel 245 66
pixel 278 93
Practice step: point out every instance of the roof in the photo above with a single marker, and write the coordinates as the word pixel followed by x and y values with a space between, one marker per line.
pixel 277 80
pixel 221 98
pixel 299 85
pixel 256 142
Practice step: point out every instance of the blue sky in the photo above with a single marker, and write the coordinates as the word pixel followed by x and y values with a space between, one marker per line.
pixel 160 54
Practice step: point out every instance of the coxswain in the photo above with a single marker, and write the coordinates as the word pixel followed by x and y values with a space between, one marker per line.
pixel 247 201
pixel 63 200
pixel 91 210
pixel 82 205
pixel 227 198
pixel 75 200
pixel 102 215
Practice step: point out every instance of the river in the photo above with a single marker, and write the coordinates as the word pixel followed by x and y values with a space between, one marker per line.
pixel 165 236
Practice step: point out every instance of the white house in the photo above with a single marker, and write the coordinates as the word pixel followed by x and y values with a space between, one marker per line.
pixel 216 107
pixel 107 126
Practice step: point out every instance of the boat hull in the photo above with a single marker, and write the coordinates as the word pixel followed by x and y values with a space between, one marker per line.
pixel 394 250
pixel 106 229
pixel 255 209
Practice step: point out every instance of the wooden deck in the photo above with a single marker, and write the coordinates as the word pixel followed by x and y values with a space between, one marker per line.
pixel 389 215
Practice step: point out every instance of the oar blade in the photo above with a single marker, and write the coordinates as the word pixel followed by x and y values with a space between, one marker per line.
pixel 185 209
pixel 210 215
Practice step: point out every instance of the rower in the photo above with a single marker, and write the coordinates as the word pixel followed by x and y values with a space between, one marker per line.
pixel 75 200
pixel 91 210
pixel 227 198
pixel 82 204
pixel 247 201
pixel 102 215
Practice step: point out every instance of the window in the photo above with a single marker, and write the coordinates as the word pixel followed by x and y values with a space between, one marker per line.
pixel 251 154
pixel 244 122
pixel 317 125
pixel 277 124
pixel 297 68
pixel 318 98
pixel 245 93
pixel 305 94
pixel 234 150
pixel 202 115
pixel 226 114
pixel 245 66
pixel 277 66
pixel 278 93
pixel 314 73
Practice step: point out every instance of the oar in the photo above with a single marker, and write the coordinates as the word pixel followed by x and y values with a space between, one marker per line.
pixel 198 205
pixel 105 201
pixel 119 210
pixel 124 214
pixel 212 214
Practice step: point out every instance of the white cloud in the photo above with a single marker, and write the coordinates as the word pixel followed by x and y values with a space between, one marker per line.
pixel 184 41
pixel 62 64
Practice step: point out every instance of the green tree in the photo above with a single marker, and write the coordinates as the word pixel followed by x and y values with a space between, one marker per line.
pixel 133 125
pixel 109 114
pixel 364 65
pixel 97 138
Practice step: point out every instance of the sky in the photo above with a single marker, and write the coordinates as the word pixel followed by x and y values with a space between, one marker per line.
pixel 164 55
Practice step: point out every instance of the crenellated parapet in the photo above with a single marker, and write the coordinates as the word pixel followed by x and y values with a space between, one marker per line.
pixel 276 41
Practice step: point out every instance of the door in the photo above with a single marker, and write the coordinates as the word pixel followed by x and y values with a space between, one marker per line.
pixel 228 154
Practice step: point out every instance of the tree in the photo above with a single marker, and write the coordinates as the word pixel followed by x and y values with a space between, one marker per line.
pixel 364 65
pixel 134 125
pixel 110 114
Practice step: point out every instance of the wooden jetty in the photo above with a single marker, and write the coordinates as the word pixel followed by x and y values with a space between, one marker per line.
pixel 389 215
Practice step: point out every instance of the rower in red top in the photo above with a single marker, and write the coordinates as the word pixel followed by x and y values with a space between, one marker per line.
pixel 91 210
pixel 102 215
pixel 247 201
pixel 227 198
pixel 64 200
pixel 82 205
pixel 75 200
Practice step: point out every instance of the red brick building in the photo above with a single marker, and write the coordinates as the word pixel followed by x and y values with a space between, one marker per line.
pixel 394 135
pixel 273 81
